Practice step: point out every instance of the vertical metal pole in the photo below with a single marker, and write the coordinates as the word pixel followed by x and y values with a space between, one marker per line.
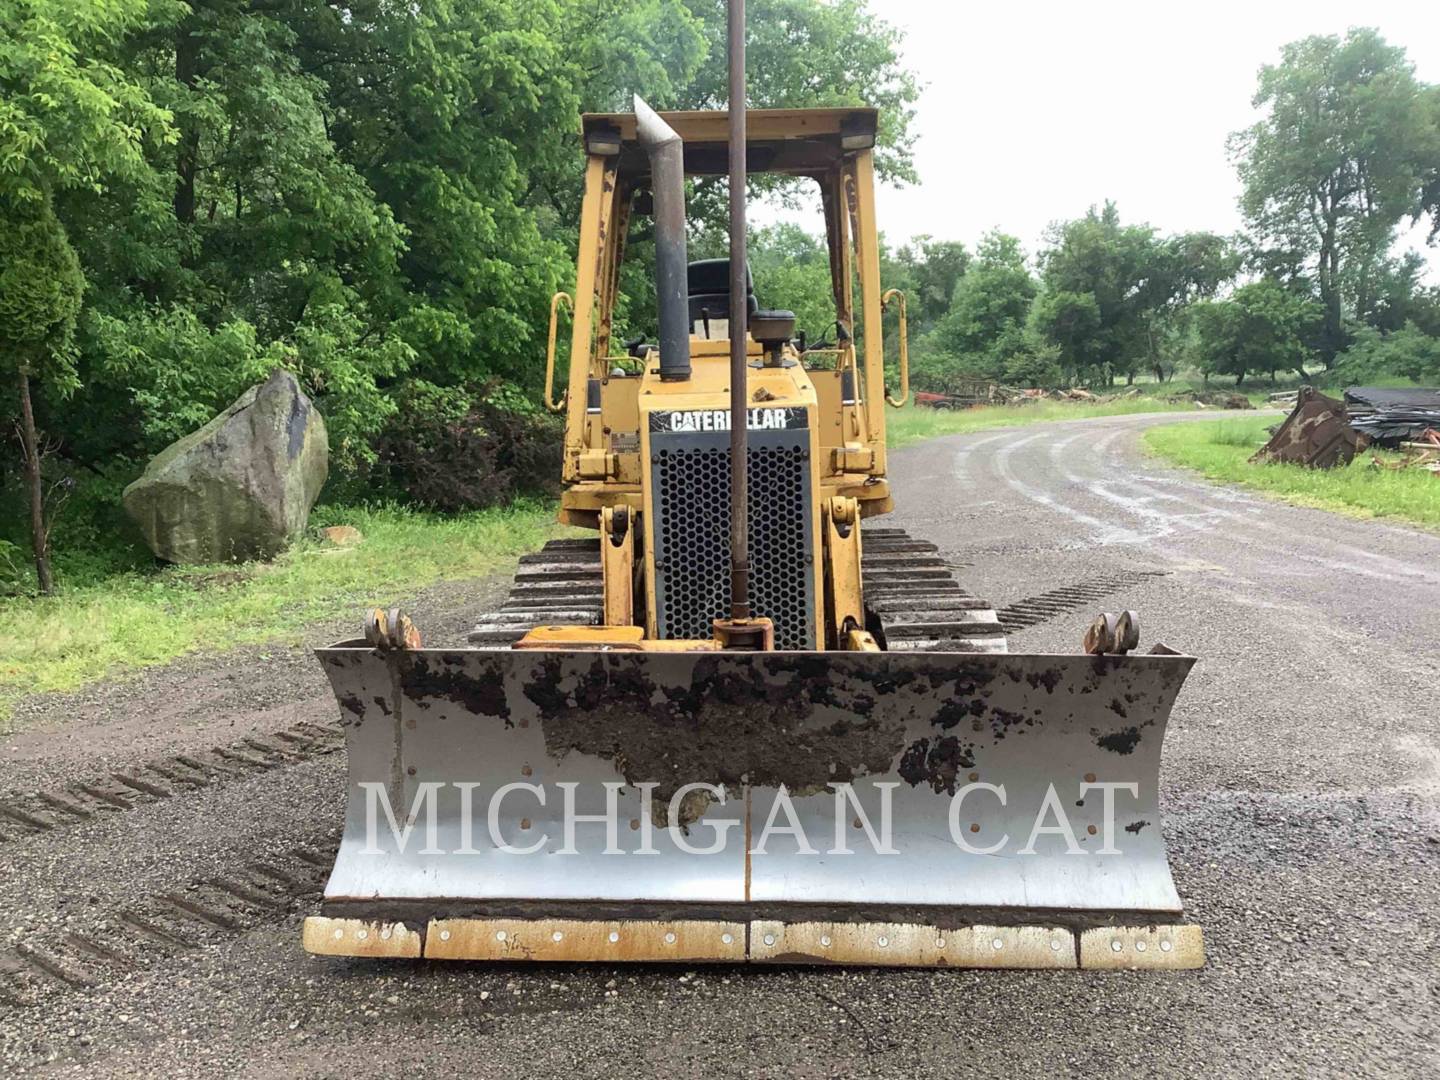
pixel 739 321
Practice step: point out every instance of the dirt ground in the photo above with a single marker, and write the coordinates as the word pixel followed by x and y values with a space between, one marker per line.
pixel 1302 771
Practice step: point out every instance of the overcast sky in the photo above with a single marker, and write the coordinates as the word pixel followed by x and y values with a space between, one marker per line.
pixel 1031 111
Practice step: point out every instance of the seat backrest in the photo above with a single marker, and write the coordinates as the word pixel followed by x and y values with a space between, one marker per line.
pixel 709 285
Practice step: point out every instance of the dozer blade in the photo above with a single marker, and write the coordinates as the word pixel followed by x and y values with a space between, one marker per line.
pixel 881 808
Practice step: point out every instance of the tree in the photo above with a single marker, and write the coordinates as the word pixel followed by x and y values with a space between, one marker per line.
pixel 803 54
pixel 1337 161
pixel 1074 324
pixel 1111 290
pixel 1396 295
pixel 1181 270
pixel 986 320
pixel 68 119
pixel 40 290
pixel 928 271
pixel 1092 272
pixel 1262 326
pixel 1430 178
pixel 1408 351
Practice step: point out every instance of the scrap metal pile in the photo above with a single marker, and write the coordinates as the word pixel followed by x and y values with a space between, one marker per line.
pixel 1423 452
pixel 1392 416
pixel 1323 433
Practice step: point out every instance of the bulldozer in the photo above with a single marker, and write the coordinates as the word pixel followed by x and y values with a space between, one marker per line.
pixel 742 722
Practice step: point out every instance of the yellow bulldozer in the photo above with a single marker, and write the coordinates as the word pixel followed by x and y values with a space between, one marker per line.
pixel 742 723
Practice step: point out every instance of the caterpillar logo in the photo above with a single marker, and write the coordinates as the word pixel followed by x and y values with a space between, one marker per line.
pixel 719 420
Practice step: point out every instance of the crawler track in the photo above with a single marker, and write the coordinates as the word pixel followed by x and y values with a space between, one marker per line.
pixel 559 584
pixel 911 591
pixel 917 603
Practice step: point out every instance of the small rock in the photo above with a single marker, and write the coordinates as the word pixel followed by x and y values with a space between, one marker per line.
pixel 341 535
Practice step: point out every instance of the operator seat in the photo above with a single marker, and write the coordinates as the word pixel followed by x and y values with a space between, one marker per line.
pixel 708 281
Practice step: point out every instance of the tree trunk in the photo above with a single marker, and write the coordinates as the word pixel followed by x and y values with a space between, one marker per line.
pixel 30 443
pixel 1332 327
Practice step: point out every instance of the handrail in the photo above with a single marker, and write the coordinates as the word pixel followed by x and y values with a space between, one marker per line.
pixel 904 349
pixel 552 405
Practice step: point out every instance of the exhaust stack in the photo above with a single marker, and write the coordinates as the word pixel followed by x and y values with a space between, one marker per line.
pixel 672 292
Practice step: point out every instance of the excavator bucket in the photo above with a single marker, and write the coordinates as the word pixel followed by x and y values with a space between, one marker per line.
pixel 890 808
pixel 1317 433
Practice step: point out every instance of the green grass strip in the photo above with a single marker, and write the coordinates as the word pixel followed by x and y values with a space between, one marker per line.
pixel 141 619
pixel 1221 451
pixel 913 423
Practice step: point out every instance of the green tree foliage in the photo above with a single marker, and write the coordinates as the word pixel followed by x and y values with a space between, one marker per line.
pixel 1111 290
pixel 1399 296
pixel 1260 327
pixel 374 195
pixel 985 325
pixel 927 270
pixel 40 291
pixel 801 54
pixel 1181 270
pixel 381 197
pixel 1430 177
pixel 1340 157
pixel 1409 352
pixel 791 268
pixel 69 119
pixel 804 54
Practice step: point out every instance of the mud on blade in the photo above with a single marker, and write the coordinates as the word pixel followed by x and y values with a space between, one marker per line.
pixel 707 789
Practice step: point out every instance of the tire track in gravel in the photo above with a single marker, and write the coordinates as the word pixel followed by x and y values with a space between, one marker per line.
pixel 76 803
pixel 159 925
pixel 1034 610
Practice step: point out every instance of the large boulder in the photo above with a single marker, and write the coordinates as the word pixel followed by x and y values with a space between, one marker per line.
pixel 242 486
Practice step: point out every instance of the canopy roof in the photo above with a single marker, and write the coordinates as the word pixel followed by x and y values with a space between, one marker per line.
pixel 796 141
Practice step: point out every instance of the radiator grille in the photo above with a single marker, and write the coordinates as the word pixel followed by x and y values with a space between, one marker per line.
pixel 691 476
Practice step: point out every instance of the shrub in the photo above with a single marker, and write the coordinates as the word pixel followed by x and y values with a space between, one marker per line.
pixel 444 453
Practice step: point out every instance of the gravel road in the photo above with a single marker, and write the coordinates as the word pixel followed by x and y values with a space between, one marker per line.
pixel 1301 779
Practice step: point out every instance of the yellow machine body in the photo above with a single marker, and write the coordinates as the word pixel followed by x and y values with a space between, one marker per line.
pixel 548 787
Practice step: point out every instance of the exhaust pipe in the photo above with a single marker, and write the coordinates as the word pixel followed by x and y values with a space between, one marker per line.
pixel 672 290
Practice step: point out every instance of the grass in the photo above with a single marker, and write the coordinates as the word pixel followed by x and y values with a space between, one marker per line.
pixel 914 423
pixel 1221 451
pixel 139 619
